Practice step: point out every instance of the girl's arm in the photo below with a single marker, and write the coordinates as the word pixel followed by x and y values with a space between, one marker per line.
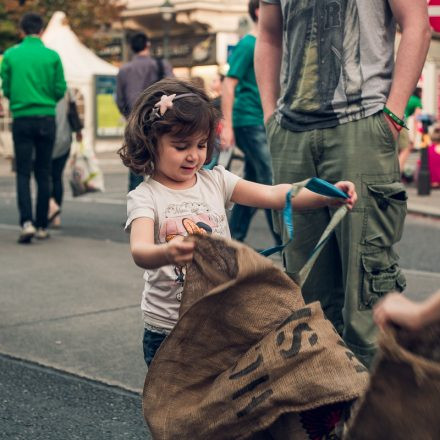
pixel 274 197
pixel 148 255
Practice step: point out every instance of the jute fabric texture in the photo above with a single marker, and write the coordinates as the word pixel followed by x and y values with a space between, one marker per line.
pixel 245 351
pixel 403 399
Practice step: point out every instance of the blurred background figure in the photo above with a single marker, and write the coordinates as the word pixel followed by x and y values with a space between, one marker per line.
pixel 134 77
pixel 215 92
pixel 407 138
pixel 65 126
pixel 33 81
pixel 243 125
pixel 434 156
pixel 215 89
pixel 199 82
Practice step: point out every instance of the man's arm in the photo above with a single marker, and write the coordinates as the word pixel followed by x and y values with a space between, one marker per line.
pixel 60 82
pixel 121 101
pixel 5 74
pixel 228 96
pixel 412 18
pixel 268 52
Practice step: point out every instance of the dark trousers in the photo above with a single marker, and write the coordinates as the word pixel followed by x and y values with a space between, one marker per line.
pixel 58 165
pixel 257 168
pixel 33 144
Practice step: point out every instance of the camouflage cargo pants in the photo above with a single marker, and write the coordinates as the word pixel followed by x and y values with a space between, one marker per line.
pixel 358 265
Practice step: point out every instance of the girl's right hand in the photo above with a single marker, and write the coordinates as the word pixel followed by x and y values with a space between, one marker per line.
pixel 179 252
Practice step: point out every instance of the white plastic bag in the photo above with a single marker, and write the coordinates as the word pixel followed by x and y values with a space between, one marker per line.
pixel 85 173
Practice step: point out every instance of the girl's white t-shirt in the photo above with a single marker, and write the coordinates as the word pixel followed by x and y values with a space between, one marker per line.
pixel 201 208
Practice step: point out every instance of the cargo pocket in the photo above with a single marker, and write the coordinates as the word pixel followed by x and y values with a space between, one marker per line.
pixel 386 214
pixel 381 274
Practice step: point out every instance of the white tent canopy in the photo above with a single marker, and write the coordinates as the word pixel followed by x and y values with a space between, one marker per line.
pixel 79 63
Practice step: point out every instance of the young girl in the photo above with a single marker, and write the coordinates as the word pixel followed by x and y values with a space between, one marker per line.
pixel 170 135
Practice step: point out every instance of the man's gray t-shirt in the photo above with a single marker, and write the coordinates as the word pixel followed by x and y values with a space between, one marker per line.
pixel 338 60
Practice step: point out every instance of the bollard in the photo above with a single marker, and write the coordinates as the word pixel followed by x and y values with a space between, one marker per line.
pixel 424 178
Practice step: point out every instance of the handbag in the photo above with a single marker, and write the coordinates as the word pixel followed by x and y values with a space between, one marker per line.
pixel 85 173
pixel 73 115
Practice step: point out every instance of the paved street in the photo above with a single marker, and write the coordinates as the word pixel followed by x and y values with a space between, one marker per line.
pixel 40 403
pixel 72 304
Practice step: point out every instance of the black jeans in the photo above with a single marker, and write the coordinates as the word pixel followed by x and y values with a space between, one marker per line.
pixel 34 138
pixel 58 165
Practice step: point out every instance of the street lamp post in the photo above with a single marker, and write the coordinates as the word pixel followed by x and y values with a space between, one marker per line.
pixel 167 11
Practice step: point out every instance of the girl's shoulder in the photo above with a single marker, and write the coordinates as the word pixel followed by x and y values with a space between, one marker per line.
pixel 219 171
pixel 220 178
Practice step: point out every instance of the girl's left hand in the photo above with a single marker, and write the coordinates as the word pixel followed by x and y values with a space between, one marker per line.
pixel 349 189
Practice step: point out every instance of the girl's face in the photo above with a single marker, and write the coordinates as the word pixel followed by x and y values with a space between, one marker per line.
pixel 179 160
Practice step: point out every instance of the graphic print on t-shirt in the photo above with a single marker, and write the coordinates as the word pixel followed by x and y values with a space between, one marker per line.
pixel 325 65
pixel 188 218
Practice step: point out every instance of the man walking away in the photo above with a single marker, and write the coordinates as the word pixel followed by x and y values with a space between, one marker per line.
pixel 337 104
pixel 33 81
pixel 134 77
pixel 243 120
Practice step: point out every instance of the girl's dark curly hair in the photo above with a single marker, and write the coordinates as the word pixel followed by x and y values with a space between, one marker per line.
pixel 189 116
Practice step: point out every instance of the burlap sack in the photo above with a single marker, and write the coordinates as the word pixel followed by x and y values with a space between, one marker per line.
pixel 245 351
pixel 403 399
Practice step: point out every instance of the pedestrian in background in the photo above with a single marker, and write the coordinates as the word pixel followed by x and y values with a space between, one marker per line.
pixel 60 155
pixel 134 77
pixel 169 136
pixel 215 88
pixel 33 81
pixel 407 137
pixel 243 124
pixel 335 108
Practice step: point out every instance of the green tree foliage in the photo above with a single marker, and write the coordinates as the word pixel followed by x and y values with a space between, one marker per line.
pixel 86 18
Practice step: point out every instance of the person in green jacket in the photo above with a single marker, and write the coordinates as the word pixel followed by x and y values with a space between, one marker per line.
pixel 33 81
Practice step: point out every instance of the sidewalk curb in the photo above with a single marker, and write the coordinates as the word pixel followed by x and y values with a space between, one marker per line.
pixel 414 209
pixel 48 366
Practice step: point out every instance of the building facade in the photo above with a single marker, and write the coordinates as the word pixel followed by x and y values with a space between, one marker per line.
pixel 195 36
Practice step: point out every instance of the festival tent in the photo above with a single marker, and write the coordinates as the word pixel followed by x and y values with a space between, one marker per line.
pixel 80 65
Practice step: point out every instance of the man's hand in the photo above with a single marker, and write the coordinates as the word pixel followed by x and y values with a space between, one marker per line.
pixel 227 139
pixel 179 252
pixel 268 114
pixel 349 189
pixel 393 129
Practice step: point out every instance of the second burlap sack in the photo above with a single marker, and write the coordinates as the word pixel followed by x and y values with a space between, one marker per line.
pixel 403 399
pixel 245 351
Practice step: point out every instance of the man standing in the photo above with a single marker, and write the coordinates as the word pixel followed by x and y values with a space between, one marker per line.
pixel 341 104
pixel 134 77
pixel 33 81
pixel 243 120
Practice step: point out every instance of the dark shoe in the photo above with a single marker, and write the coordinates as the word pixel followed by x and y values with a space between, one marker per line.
pixel 26 233
pixel 42 234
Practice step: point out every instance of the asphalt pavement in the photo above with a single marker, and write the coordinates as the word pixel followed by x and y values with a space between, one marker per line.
pixel 70 324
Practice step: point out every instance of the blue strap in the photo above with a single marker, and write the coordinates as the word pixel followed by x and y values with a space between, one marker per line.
pixel 314 184
pixel 288 223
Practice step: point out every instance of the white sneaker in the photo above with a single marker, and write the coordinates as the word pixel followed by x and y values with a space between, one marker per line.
pixel 27 232
pixel 42 234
